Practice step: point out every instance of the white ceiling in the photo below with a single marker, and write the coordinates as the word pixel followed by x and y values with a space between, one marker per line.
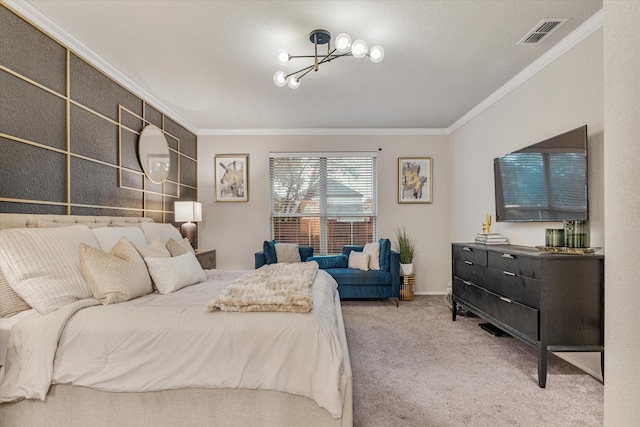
pixel 212 62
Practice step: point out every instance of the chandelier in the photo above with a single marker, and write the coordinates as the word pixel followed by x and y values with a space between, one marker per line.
pixel 343 47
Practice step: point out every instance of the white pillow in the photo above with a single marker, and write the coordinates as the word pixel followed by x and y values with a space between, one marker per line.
pixel 108 236
pixel 117 276
pixel 171 274
pixel 373 249
pixel 359 260
pixel 153 249
pixel 41 264
pixel 160 231
pixel 287 252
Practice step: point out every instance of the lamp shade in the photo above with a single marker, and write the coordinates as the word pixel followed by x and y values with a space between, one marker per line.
pixel 188 211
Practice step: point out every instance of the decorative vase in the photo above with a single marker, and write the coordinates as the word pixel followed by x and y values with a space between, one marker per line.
pixel 406 269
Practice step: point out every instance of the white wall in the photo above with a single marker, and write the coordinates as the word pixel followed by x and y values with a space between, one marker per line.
pixel 621 160
pixel 566 94
pixel 237 230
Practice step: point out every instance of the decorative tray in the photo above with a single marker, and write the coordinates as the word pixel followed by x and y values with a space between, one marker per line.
pixel 568 251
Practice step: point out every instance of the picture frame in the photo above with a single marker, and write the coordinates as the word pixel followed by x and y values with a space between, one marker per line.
pixel 415 180
pixel 231 183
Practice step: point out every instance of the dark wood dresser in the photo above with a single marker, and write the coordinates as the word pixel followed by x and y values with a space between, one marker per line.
pixel 553 302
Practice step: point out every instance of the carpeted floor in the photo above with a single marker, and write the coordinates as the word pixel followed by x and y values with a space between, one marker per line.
pixel 413 366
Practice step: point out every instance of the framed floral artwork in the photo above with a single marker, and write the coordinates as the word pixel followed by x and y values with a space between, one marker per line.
pixel 231 177
pixel 415 180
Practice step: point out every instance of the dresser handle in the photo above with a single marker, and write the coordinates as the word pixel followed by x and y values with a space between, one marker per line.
pixel 508 256
pixel 506 300
pixel 468 262
pixel 466 282
pixel 466 248
pixel 508 273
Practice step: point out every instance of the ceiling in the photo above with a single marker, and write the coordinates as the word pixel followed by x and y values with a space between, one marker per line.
pixel 212 62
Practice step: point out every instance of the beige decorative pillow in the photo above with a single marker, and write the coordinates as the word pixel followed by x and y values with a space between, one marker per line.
pixel 171 274
pixel 157 249
pixel 10 302
pixel 359 260
pixel 179 248
pixel 116 276
pixel 287 252
pixel 373 249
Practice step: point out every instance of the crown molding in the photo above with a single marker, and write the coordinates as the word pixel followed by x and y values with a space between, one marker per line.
pixel 40 21
pixel 592 24
pixel 325 131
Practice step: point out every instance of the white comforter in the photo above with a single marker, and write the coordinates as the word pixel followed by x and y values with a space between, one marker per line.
pixel 160 342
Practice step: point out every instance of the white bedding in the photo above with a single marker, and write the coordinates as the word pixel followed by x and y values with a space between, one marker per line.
pixel 5 327
pixel 159 342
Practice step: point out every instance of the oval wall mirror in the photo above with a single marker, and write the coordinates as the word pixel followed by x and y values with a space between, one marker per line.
pixel 153 151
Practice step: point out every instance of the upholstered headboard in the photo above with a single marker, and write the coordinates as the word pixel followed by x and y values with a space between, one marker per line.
pixel 14 220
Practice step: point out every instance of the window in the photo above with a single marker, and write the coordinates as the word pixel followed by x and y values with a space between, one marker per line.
pixel 324 200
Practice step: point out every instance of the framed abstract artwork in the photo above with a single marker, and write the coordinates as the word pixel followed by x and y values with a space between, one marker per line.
pixel 231 177
pixel 415 180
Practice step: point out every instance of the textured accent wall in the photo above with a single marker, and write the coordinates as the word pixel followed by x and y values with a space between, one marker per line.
pixel 69 135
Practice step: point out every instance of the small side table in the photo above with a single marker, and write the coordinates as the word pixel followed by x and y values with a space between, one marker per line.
pixel 407 287
pixel 206 258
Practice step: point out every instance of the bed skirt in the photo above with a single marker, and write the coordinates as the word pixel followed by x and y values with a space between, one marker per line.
pixel 73 406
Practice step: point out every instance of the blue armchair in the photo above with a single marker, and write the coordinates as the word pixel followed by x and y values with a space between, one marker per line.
pixel 353 283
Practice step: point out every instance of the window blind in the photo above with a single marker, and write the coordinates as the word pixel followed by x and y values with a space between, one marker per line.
pixel 323 200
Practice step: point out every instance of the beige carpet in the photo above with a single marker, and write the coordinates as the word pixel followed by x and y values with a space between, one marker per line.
pixel 413 366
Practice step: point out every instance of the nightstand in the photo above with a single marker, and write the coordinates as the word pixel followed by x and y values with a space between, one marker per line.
pixel 206 258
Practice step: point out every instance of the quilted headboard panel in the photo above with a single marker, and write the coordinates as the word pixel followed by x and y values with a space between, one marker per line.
pixel 13 220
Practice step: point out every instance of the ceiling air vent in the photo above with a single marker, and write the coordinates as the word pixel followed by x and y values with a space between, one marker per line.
pixel 542 30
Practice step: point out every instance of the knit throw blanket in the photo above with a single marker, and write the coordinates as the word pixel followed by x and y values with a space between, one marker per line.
pixel 274 287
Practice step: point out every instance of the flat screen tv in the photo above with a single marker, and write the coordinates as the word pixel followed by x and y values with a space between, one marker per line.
pixel 545 182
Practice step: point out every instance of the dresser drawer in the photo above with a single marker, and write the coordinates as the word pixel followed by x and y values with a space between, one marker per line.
pixel 520 317
pixel 469 292
pixel 523 289
pixel 470 254
pixel 467 270
pixel 521 265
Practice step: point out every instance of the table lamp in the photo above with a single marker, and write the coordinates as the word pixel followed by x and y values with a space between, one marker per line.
pixel 187 212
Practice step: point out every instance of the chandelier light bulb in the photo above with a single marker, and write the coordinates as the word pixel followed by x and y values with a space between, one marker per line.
pixel 343 43
pixel 280 79
pixel 293 82
pixel 283 56
pixel 359 48
pixel 376 54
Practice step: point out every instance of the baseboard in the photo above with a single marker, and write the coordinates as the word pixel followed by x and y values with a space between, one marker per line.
pixel 588 369
pixel 431 292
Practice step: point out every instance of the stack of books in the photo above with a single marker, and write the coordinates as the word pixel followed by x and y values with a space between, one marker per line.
pixel 491 239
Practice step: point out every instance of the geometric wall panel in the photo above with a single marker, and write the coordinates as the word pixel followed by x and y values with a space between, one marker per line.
pixel 20 180
pixel 19 100
pixel 86 163
pixel 18 37
pixel 97 185
pixel 93 137
pixel 98 92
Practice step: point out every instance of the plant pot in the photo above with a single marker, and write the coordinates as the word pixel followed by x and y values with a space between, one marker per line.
pixel 406 269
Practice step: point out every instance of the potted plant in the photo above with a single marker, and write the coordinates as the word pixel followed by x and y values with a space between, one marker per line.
pixel 406 247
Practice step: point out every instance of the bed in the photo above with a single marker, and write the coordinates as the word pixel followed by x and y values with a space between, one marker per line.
pixel 212 368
